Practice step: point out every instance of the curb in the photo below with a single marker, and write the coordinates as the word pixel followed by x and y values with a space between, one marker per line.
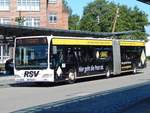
pixel 6 80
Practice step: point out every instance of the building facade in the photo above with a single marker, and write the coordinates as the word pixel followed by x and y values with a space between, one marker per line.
pixel 145 1
pixel 147 47
pixel 32 13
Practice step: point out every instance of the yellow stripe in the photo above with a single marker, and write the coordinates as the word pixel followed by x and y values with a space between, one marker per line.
pixel 128 43
pixel 81 42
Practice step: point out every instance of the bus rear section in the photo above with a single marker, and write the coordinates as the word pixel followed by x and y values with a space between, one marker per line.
pixel 133 55
pixel 31 60
pixel 128 56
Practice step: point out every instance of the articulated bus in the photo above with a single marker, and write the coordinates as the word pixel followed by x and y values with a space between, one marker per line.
pixel 56 58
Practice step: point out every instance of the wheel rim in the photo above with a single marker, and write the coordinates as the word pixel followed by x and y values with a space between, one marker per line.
pixel 71 76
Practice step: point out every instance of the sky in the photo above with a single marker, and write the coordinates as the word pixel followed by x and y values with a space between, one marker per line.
pixel 77 6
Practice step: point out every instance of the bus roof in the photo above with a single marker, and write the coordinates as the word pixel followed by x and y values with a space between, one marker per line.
pixel 93 41
pixel 75 41
pixel 131 43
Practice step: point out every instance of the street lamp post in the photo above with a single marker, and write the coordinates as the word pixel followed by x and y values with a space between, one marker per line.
pixel 20 19
pixel 115 20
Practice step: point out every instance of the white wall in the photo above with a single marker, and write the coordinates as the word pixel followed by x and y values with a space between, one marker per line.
pixel 148 47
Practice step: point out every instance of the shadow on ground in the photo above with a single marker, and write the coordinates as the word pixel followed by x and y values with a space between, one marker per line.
pixel 114 101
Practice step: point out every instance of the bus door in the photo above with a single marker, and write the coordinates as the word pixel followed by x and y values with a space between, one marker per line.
pixel 116 57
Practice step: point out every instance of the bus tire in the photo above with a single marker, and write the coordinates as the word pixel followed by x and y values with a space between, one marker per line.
pixel 108 72
pixel 71 77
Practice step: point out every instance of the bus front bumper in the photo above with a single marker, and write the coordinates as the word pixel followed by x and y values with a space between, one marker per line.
pixel 42 78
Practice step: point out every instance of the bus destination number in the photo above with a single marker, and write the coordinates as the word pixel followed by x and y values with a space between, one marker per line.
pixel 31 73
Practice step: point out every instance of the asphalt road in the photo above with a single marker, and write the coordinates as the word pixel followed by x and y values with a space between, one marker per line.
pixel 117 94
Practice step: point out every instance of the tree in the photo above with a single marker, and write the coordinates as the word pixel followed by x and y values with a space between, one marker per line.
pixel 67 7
pixel 74 22
pixel 20 19
pixel 132 19
pixel 99 16
pixel 73 18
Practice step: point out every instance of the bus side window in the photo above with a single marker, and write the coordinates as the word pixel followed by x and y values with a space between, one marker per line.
pixel 57 57
pixel 70 56
pixel 79 56
pixel 54 50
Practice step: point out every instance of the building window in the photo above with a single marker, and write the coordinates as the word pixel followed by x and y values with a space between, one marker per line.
pixel 5 50
pixel 4 21
pixel 28 5
pixel 52 1
pixel 52 18
pixel 32 21
pixel 4 5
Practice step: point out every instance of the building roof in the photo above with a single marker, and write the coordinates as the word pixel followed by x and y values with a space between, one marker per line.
pixel 19 31
pixel 14 30
pixel 145 1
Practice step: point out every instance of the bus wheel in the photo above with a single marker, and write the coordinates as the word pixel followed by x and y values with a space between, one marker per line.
pixel 71 77
pixel 108 72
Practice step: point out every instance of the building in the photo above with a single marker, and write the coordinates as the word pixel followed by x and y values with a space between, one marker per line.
pixel 145 1
pixel 32 13
pixel 147 47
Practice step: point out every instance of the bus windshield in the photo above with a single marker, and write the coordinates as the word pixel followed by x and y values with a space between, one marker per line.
pixel 31 53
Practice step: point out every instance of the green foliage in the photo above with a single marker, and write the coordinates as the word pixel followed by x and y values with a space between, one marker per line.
pixel 74 22
pixel 99 16
pixel 67 7
pixel 20 20
pixel 73 19
pixel 148 58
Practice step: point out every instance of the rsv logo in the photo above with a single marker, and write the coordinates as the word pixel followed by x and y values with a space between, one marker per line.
pixel 31 73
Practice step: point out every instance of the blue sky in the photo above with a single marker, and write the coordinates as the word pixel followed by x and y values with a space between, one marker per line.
pixel 78 6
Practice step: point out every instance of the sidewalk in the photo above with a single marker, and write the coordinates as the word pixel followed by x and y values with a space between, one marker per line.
pixel 6 79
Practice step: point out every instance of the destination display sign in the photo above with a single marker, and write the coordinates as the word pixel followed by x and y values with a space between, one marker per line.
pixel 31 41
